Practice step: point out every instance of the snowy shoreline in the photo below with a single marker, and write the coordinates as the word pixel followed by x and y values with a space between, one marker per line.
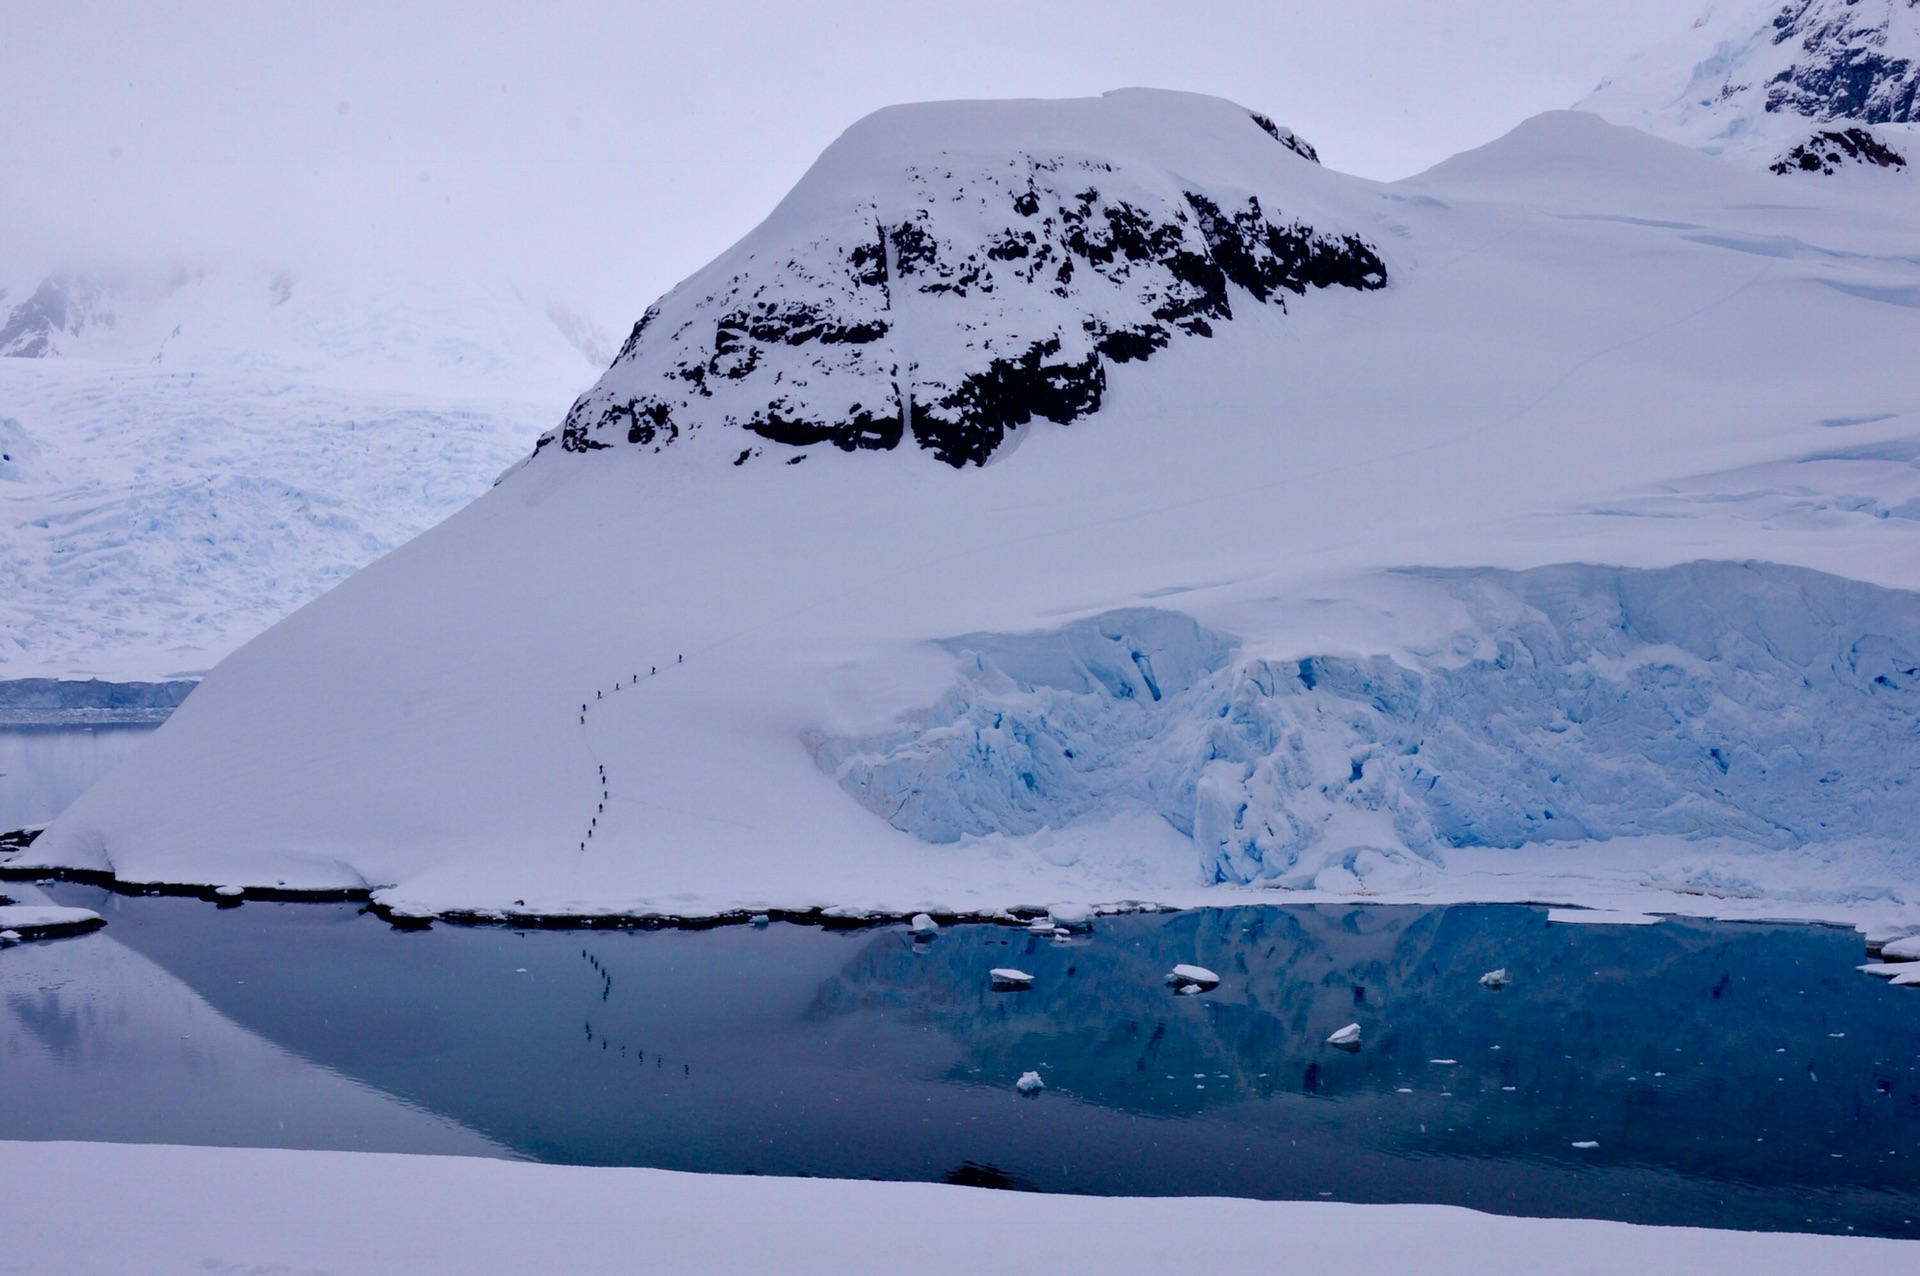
pixel 1877 921
pixel 198 1209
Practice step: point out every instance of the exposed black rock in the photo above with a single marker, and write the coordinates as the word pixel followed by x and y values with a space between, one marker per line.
pixel 969 424
pixel 861 431
pixel 1286 137
pixel 1842 69
pixel 1831 150
pixel 1001 297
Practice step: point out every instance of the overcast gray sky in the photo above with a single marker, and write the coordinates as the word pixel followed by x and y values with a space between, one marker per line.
pixel 604 151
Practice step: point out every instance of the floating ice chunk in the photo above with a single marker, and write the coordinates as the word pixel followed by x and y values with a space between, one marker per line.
pixel 1888 969
pixel 43 921
pixel 1071 916
pixel 1586 1143
pixel 9 936
pixel 923 926
pixel 1188 990
pixel 1041 926
pixel 1599 917
pixel 1007 977
pixel 1495 979
pixel 1185 974
pixel 1903 949
pixel 1030 1083
pixel 1348 1038
pixel 1907 978
pixel 229 892
pixel 759 919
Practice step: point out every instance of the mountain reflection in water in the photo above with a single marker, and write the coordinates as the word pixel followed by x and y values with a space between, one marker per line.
pixel 1730 1075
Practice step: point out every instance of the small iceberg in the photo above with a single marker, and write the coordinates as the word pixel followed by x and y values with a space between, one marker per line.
pixel 1903 973
pixel 1040 926
pixel 9 936
pixel 1030 1084
pixel 1071 916
pixel 46 921
pixel 1198 978
pixel 1006 977
pixel 923 926
pixel 1495 979
pixel 1906 948
pixel 1599 917
pixel 1586 1143
pixel 1348 1038
pixel 759 919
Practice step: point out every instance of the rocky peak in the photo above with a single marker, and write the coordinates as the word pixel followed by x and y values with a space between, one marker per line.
pixel 1847 60
pixel 62 306
pixel 936 281
pixel 1749 81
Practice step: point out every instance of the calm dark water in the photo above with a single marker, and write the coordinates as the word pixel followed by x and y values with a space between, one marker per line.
pixel 42 769
pixel 1730 1075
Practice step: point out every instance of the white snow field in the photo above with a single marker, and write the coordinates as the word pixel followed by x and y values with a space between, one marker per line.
pixel 1101 501
pixel 187 456
pixel 76 1208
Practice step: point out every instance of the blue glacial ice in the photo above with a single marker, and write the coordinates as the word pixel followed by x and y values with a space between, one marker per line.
pixel 1765 704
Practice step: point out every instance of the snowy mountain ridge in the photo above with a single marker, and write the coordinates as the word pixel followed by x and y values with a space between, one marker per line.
pixel 1753 81
pixel 967 283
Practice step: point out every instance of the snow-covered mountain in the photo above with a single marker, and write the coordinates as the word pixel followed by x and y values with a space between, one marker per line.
pixel 1539 526
pixel 188 455
pixel 1798 85
pixel 989 276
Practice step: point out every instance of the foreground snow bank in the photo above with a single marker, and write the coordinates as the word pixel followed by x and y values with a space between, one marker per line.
pixel 195 1210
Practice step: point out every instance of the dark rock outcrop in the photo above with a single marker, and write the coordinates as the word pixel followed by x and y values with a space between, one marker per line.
pixel 1831 150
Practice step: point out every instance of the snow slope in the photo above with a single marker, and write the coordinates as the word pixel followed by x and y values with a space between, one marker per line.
pixel 1600 508
pixel 193 1210
pixel 187 456
pixel 1759 82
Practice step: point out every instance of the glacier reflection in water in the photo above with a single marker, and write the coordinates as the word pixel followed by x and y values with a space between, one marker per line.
pixel 1728 1075
pixel 44 768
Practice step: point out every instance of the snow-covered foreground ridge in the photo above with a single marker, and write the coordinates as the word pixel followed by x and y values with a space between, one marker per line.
pixel 192 1210
pixel 1572 564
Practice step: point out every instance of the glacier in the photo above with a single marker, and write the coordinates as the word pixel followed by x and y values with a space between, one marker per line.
pixel 1770 705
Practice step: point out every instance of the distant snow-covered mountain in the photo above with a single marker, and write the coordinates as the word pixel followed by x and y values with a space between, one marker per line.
pixel 186 455
pixel 1801 85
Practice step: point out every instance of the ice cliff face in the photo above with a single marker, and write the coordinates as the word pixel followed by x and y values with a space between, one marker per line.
pixel 1767 704
pixel 1749 81
pixel 949 291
